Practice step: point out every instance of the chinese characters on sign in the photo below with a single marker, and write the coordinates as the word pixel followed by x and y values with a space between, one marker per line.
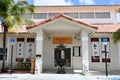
pixel 30 48
pixel 20 47
pixel 62 40
pixel 95 50
pixel 95 56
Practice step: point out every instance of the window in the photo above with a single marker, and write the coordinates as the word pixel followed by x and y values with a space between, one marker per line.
pixel 102 15
pixel 52 14
pixel 28 16
pixel 74 15
pixel 1 54
pixel 85 15
pixel 39 15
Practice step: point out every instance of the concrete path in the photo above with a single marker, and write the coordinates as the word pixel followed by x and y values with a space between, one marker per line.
pixel 55 77
pixel 93 75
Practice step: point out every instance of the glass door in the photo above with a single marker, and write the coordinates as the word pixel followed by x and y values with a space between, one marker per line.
pixel 63 54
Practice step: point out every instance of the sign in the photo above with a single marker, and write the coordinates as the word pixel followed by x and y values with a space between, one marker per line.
pixel 20 47
pixel 95 56
pixel 76 51
pixel 12 40
pixel 30 48
pixel 105 41
pixel 62 40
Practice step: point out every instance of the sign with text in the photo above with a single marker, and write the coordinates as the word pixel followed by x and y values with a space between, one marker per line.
pixel 62 40
pixel 20 48
pixel 95 56
pixel 30 48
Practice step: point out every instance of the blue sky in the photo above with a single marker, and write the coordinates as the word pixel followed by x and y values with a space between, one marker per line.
pixel 73 2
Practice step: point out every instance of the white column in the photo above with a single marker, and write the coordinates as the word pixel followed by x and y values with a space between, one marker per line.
pixel 119 52
pixel 39 53
pixel 85 56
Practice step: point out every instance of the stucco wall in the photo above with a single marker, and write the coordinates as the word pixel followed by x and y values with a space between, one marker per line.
pixel 114 55
pixel 8 46
pixel 48 54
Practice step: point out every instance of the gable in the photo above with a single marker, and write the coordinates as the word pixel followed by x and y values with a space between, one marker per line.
pixel 54 18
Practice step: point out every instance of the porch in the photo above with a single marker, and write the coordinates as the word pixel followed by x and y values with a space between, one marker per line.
pixel 62 30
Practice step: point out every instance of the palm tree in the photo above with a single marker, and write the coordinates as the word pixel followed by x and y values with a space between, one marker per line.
pixel 12 12
pixel 116 36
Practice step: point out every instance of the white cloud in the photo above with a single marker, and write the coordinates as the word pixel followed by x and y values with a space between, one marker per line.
pixel 51 2
pixel 87 2
pixel 112 2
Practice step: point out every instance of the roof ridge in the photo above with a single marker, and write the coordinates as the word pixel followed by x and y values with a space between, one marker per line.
pixel 58 16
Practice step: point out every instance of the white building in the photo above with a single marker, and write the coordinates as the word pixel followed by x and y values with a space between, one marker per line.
pixel 83 30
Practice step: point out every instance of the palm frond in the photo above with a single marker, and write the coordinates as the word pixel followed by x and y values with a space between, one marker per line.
pixel 12 12
pixel 28 22
pixel 2 8
pixel 21 8
pixel 12 20
pixel 116 36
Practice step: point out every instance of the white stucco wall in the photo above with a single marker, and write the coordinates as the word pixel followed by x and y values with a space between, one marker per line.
pixel 48 54
pixel 8 46
pixel 114 56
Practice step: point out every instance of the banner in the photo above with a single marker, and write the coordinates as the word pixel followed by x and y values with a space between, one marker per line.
pixel 95 56
pixel 20 47
pixel 20 50
pixel 30 48
pixel 105 41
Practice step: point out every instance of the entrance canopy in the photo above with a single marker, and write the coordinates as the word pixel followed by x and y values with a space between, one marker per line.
pixel 61 23
pixel 65 29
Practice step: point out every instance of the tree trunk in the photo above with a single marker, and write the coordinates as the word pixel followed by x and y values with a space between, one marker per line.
pixel 4 46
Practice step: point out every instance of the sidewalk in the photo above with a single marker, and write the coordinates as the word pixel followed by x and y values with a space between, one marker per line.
pixel 93 75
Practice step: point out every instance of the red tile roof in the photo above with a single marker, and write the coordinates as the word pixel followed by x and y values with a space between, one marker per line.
pixel 107 27
pixel 60 16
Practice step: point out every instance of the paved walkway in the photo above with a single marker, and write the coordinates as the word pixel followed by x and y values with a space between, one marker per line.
pixel 93 75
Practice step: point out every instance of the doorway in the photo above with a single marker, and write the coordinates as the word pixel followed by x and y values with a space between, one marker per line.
pixel 63 54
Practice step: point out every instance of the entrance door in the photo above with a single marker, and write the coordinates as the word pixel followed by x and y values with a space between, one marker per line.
pixel 63 54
